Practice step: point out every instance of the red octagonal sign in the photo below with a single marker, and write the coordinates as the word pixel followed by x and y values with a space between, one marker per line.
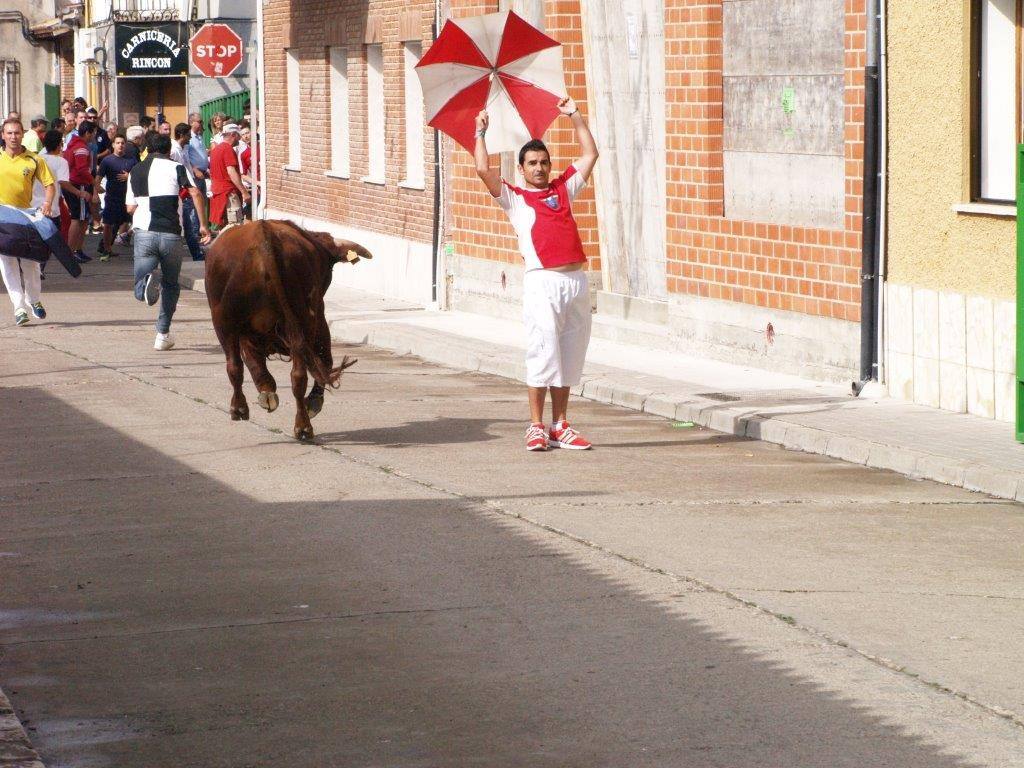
pixel 216 50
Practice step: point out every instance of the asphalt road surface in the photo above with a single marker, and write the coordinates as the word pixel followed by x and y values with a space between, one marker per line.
pixel 414 590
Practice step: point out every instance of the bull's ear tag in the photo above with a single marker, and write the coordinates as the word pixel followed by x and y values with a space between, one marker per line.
pixel 351 256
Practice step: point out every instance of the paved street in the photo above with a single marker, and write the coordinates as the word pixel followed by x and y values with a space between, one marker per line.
pixel 416 590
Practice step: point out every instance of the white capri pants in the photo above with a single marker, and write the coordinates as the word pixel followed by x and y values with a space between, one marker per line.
pixel 22 278
pixel 556 312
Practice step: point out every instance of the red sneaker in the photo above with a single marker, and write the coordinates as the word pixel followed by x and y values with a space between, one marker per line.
pixel 536 440
pixel 564 436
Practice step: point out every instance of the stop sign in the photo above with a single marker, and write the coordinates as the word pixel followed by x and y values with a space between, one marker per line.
pixel 216 50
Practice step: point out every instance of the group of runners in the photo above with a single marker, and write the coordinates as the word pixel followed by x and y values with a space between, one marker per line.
pixel 121 182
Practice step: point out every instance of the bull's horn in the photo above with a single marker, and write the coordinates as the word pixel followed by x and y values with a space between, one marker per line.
pixel 351 252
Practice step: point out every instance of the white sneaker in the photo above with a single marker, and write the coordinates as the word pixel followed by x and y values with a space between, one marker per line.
pixel 163 342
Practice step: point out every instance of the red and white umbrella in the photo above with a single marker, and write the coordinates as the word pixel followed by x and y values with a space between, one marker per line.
pixel 496 62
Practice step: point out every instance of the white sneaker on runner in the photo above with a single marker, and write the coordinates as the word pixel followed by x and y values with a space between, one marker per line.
pixel 163 342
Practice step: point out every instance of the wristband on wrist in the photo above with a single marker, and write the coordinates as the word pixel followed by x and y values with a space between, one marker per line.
pixel 480 134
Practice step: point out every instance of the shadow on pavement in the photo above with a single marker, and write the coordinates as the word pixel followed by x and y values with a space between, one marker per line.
pixel 711 438
pixel 440 431
pixel 165 618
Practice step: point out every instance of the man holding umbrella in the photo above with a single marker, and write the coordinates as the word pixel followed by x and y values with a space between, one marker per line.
pixel 556 295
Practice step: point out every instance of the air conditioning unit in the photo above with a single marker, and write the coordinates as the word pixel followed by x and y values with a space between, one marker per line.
pixel 85 44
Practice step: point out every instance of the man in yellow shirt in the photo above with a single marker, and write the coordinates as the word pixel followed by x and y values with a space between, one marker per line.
pixel 19 170
pixel 33 138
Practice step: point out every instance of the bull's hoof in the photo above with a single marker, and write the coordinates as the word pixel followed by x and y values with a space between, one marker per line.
pixel 269 401
pixel 240 414
pixel 314 404
pixel 304 434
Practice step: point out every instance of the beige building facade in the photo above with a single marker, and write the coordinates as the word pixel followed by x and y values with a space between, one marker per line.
pixel 953 122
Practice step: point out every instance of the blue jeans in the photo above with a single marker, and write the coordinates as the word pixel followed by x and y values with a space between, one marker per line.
pixel 190 219
pixel 153 249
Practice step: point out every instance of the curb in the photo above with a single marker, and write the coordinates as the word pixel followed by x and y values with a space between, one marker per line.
pixel 15 749
pixel 742 421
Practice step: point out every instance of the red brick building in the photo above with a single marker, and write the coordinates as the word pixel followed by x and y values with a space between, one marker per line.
pixel 341 153
pixel 724 218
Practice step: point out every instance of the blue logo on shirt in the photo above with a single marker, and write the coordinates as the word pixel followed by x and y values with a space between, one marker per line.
pixel 551 202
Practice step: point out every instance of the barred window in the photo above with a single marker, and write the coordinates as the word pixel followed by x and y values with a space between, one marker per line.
pixel 10 88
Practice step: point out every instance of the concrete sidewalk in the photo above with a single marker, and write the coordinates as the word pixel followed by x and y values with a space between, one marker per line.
pixel 957 449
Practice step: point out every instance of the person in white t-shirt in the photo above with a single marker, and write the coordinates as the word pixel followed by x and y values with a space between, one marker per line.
pixel 556 293
pixel 53 140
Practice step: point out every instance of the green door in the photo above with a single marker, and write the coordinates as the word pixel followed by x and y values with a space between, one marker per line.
pixel 233 105
pixel 51 100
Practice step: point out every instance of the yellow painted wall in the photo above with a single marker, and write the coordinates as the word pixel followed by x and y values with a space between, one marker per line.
pixel 175 106
pixel 929 244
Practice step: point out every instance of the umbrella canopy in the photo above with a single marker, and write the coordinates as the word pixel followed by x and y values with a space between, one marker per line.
pixel 496 62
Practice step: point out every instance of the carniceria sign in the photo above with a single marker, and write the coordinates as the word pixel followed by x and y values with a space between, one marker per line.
pixel 151 49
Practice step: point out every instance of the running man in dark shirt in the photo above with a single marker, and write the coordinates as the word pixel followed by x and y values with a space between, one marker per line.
pixel 113 171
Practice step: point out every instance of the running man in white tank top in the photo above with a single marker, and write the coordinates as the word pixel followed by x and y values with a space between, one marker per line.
pixel 556 295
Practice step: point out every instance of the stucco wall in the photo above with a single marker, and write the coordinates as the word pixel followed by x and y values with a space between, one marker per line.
pixel 930 245
pixel 36 64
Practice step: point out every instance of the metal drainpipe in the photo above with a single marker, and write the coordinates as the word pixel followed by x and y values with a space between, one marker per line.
pixel 883 187
pixel 869 208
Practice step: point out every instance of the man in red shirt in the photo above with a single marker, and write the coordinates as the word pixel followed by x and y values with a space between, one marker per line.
pixel 228 192
pixel 556 293
pixel 79 201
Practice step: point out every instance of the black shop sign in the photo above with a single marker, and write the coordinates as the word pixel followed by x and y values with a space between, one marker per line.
pixel 151 49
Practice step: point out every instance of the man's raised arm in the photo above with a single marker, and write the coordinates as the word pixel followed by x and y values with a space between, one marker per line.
pixel 585 164
pixel 490 176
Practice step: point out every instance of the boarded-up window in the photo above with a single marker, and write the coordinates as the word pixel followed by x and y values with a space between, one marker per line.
pixel 413 51
pixel 339 111
pixel 294 109
pixel 375 114
pixel 995 102
pixel 783 151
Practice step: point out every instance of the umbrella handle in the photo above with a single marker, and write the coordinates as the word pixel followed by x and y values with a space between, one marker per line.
pixel 496 91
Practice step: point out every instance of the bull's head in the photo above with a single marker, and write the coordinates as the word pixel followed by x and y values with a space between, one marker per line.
pixel 341 250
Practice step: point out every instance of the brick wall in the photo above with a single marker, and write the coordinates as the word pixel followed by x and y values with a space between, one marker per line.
pixel 477 227
pixel 66 52
pixel 309 29
pixel 814 271
pixel 807 270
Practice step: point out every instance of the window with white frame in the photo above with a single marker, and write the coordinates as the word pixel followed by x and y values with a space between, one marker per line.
pixel 9 88
pixel 374 114
pixel 996 118
pixel 292 83
pixel 339 111
pixel 413 116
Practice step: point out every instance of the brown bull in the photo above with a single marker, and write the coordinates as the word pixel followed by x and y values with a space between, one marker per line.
pixel 265 281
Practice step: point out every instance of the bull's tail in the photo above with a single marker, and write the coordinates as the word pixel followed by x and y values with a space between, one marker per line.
pixel 297 330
